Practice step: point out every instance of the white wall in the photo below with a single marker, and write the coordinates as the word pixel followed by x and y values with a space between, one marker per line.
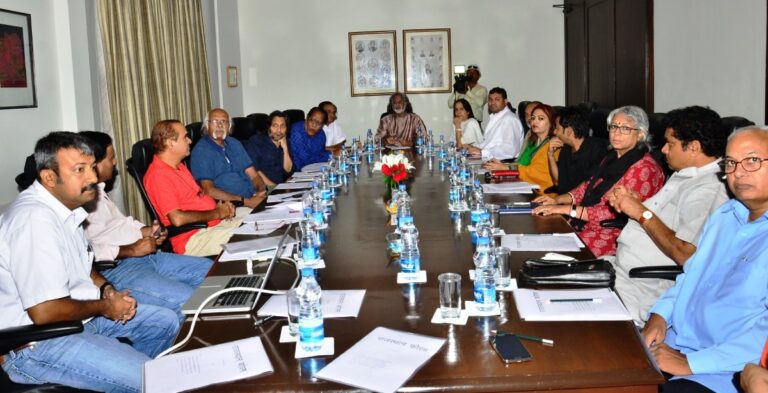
pixel 711 52
pixel 294 55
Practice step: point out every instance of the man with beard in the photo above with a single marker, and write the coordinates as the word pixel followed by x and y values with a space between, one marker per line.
pixel 400 127
pixel 269 153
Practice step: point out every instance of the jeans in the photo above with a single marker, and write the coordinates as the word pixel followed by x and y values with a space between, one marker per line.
pixel 162 279
pixel 95 359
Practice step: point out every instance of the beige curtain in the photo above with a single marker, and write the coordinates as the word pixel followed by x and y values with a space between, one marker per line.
pixel 154 53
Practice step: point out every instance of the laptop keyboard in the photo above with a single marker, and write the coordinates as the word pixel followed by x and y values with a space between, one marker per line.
pixel 239 298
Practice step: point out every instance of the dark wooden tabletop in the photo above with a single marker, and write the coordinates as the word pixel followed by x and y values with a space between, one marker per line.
pixel 587 356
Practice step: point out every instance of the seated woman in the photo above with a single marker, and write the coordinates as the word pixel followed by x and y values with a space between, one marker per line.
pixel 467 129
pixel 627 164
pixel 532 163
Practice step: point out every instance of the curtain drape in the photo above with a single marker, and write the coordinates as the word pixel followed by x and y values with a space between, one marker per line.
pixel 154 53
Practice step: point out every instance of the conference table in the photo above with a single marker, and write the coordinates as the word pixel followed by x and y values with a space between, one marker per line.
pixel 586 357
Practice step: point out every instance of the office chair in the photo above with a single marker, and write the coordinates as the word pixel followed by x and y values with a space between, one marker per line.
pixel 194 131
pixel 243 128
pixel 293 116
pixel 260 122
pixel 597 122
pixel 521 113
pixel 141 156
pixel 732 123
pixel 662 272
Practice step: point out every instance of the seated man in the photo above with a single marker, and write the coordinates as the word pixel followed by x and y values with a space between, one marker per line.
pixel 269 153
pixel 221 165
pixel 307 140
pixel 503 133
pixel 400 127
pixel 46 276
pixel 155 277
pixel 580 154
pixel 179 200
pixel 334 136
pixel 714 319
pixel 664 230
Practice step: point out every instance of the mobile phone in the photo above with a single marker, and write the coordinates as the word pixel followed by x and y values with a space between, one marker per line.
pixel 158 232
pixel 510 349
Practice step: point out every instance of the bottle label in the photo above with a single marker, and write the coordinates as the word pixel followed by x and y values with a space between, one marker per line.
pixel 409 265
pixel 311 330
pixel 484 294
pixel 310 253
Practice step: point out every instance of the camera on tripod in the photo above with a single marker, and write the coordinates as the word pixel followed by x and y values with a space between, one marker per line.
pixel 460 79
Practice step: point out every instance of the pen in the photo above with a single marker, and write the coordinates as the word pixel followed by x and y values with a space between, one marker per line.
pixel 544 341
pixel 576 300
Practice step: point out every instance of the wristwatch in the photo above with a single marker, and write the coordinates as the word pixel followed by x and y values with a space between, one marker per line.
pixel 647 215
pixel 574 214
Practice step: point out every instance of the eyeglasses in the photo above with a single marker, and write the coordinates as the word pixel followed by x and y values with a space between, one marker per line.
pixel 624 130
pixel 218 122
pixel 750 164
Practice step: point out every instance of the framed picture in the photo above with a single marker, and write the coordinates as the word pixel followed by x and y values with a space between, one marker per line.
pixel 231 76
pixel 372 63
pixel 427 59
pixel 17 68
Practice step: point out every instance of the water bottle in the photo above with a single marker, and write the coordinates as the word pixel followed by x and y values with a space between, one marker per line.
pixel 354 152
pixel 419 141
pixel 311 331
pixel 318 207
pixel 325 190
pixel 441 147
pixel 369 141
pixel 485 282
pixel 478 206
pixel 430 144
pixel 343 163
pixel 409 256
pixel 403 206
pixel 483 228
pixel 310 242
pixel 457 193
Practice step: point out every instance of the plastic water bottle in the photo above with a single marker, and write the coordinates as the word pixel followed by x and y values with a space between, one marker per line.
pixel 478 206
pixel 482 227
pixel 410 260
pixel 343 163
pixel 403 206
pixel 310 241
pixel 485 281
pixel 441 147
pixel 419 141
pixel 318 208
pixel 311 330
pixel 430 144
pixel 457 193
pixel 369 141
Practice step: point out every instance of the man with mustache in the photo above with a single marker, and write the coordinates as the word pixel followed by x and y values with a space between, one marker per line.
pixel 269 153
pixel 47 276
pixel 400 127
pixel 714 319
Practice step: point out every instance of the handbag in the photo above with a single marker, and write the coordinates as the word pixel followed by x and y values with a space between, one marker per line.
pixel 588 273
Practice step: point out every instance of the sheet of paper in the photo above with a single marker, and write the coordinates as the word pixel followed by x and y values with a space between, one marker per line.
pixel 300 180
pixel 291 205
pixel 206 366
pixel 293 186
pixel 278 214
pixel 263 229
pixel 395 147
pixel 305 175
pixel 263 255
pixel 570 305
pixel 313 167
pixel 336 304
pixel 542 242
pixel 285 195
pixel 518 187
pixel 383 360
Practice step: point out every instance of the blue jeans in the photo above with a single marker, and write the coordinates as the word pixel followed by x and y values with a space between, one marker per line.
pixel 162 279
pixel 95 359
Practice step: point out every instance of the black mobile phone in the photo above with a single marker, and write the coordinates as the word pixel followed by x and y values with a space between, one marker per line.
pixel 510 349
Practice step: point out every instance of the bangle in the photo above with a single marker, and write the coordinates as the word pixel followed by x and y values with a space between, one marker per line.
pixel 103 287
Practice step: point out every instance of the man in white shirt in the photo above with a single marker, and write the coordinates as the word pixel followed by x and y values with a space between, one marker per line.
pixel 334 136
pixel 155 277
pixel 503 133
pixel 46 276
pixel 664 229
pixel 475 93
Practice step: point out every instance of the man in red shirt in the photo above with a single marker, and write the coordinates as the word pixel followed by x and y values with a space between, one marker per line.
pixel 179 200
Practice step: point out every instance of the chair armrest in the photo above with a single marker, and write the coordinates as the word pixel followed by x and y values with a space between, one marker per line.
pixel 104 265
pixel 174 231
pixel 659 272
pixel 14 337
pixel 618 223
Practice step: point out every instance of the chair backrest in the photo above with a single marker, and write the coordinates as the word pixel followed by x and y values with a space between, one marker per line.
pixel 243 128
pixel 26 178
pixel 521 114
pixel 657 125
pixel 142 154
pixel 294 115
pixel 597 122
pixel 260 122
pixel 732 123
pixel 195 131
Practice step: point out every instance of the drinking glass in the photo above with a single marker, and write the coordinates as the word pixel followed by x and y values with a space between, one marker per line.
pixel 450 295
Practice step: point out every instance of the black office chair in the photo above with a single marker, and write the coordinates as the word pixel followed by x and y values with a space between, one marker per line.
pixel 657 125
pixel 15 337
pixel 521 110
pixel 243 128
pixel 194 131
pixel 294 115
pixel 732 123
pixel 662 272
pixel 260 122
pixel 141 156
pixel 597 122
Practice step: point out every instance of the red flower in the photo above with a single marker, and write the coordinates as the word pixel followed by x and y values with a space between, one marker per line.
pixel 386 170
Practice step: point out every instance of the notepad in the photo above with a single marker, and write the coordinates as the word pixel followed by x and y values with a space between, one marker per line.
pixel 518 187
pixel 570 305
pixel 542 242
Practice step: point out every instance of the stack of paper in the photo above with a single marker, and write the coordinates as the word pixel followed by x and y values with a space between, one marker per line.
pixel 382 361
pixel 313 167
pixel 293 186
pixel 542 242
pixel 272 198
pixel 570 305
pixel 518 187
pixel 278 214
pixel 261 229
pixel 260 248
pixel 336 304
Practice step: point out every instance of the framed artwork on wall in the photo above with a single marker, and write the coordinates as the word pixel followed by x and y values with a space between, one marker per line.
pixel 427 60
pixel 17 67
pixel 372 63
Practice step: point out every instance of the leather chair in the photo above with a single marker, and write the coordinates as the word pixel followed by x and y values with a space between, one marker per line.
pixel 521 111
pixel 243 128
pixel 260 122
pixel 657 125
pixel 141 156
pixel 662 272
pixel 732 123
pixel 194 130
pixel 294 115
pixel 597 122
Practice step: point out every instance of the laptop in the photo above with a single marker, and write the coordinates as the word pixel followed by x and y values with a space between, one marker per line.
pixel 232 302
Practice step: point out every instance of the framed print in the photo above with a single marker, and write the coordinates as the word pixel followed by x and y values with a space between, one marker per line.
pixel 427 59
pixel 231 76
pixel 372 63
pixel 17 67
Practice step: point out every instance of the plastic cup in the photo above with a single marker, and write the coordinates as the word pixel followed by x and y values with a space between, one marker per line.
pixel 292 299
pixel 503 272
pixel 494 211
pixel 450 295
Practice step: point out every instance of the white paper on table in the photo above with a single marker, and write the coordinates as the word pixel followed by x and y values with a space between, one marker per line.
pixel 336 304
pixel 263 229
pixel 542 242
pixel 300 180
pixel 277 214
pixel 553 256
pixel 293 186
pixel 264 255
pixel 206 366
pixel 382 361
pixel 305 175
pixel 518 187
pixel 316 167
pixel 534 305
pixel 291 205
pixel 255 245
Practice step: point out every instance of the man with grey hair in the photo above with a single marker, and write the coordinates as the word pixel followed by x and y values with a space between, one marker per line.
pixel 714 319
pixel 400 126
pixel 222 166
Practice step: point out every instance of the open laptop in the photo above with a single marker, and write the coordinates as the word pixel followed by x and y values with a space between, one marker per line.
pixel 232 302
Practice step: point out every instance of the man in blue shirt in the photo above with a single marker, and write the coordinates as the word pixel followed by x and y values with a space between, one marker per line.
pixel 715 319
pixel 269 153
pixel 307 140
pixel 222 166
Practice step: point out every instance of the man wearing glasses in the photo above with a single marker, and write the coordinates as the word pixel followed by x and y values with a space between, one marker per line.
pixel 475 93
pixel 222 166
pixel 665 228
pixel 307 140
pixel 714 319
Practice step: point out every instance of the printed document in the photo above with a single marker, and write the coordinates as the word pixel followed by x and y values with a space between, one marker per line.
pixel 336 304
pixel 206 366
pixel 293 186
pixel 383 360
pixel 570 305
pixel 518 187
pixel 542 242
pixel 276 214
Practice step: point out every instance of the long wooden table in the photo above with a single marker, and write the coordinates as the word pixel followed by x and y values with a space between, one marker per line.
pixel 587 356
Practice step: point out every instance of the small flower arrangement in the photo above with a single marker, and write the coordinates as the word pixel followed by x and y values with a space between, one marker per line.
pixel 394 167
